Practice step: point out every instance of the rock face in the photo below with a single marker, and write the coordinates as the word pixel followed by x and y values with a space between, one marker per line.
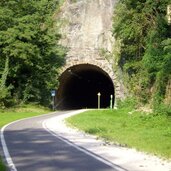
pixel 86 31
pixel 89 24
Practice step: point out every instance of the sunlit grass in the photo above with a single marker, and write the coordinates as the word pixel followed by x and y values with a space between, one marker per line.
pixel 144 132
pixel 20 112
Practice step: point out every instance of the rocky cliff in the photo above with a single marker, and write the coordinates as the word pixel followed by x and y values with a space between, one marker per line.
pixel 87 25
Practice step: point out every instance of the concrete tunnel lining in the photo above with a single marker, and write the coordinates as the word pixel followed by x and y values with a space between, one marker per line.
pixel 79 86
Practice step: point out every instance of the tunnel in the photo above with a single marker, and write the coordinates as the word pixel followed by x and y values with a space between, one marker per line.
pixel 79 86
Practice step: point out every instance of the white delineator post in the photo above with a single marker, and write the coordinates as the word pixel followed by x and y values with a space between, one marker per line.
pixel 111 101
pixel 98 94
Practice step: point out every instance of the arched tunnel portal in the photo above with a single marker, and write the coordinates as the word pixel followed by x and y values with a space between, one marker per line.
pixel 79 86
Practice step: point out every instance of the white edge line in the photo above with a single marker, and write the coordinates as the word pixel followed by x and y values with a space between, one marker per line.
pixel 77 147
pixel 4 145
pixel 6 152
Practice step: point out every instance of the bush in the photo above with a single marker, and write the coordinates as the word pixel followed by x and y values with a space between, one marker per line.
pixel 162 109
pixel 129 102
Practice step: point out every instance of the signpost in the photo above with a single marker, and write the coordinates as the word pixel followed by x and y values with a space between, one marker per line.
pixel 98 94
pixel 53 94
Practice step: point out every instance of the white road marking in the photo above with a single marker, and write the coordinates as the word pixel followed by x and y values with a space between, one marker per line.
pixel 6 152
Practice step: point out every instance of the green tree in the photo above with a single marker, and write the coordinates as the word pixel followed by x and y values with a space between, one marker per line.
pixel 29 49
pixel 142 29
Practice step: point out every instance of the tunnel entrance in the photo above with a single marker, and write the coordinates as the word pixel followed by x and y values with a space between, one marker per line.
pixel 79 86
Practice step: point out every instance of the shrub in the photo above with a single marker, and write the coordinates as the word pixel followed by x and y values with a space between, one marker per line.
pixel 162 109
pixel 130 102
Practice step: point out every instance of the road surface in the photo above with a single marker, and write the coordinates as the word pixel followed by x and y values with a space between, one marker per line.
pixel 30 147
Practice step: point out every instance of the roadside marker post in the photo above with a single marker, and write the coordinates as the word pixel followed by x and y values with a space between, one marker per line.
pixel 53 94
pixel 98 94
pixel 111 101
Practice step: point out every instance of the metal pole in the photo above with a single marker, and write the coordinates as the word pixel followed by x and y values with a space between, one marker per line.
pixel 98 94
pixel 53 93
pixel 53 102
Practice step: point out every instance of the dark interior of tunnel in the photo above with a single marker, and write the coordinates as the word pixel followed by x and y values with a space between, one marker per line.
pixel 79 86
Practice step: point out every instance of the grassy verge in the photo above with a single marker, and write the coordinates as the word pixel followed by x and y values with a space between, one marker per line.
pixel 144 132
pixel 2 166
pixel 20 112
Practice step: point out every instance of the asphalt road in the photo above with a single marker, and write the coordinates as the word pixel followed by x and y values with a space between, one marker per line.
pixel 32 148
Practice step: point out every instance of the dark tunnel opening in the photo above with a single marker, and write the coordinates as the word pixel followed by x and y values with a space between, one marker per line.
pixel 79 86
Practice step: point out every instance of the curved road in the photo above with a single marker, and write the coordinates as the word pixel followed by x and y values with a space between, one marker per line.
pixel 32 148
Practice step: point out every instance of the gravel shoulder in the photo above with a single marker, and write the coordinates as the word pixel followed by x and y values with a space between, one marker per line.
pixel 127 158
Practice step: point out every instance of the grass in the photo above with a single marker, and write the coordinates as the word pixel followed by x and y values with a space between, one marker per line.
pixel 144 132
pixel 2 166
pixel 19 112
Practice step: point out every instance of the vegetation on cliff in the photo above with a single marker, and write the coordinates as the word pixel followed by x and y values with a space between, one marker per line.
pixel 29 52
pixel 141 28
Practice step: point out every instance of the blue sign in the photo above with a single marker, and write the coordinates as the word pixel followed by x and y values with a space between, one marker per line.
pixel 53 93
